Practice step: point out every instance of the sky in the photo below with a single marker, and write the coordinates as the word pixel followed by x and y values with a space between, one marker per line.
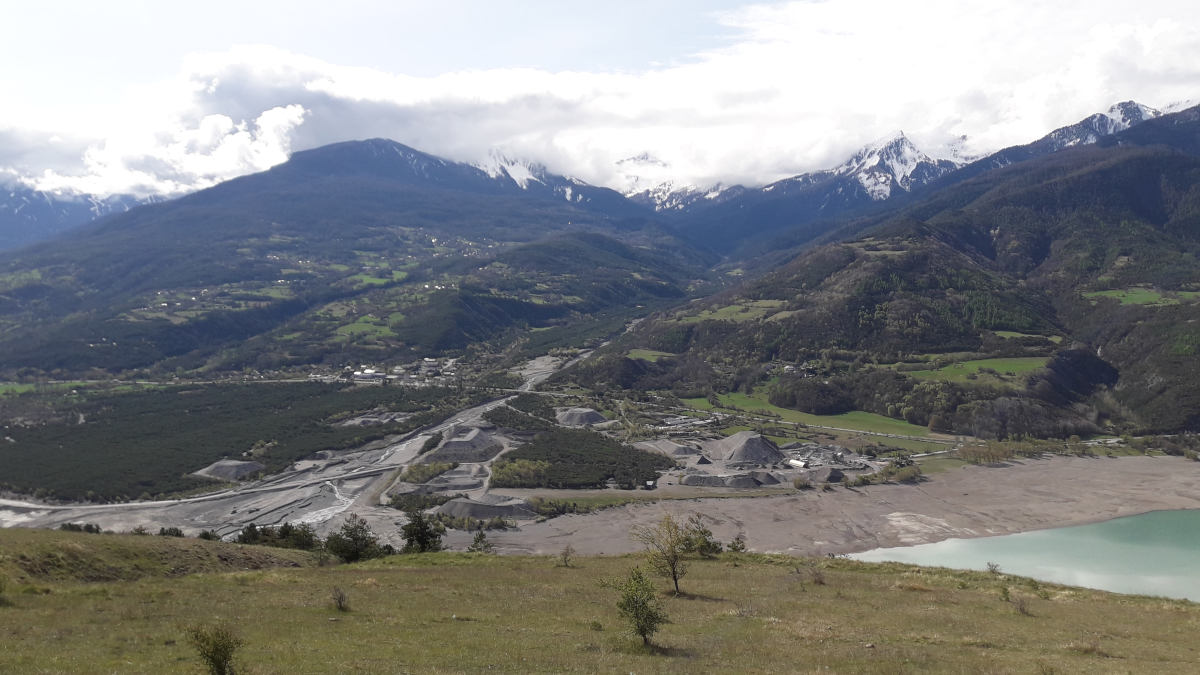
pixel 146 97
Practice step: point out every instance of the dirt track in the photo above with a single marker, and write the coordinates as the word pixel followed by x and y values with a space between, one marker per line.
pixel 971 501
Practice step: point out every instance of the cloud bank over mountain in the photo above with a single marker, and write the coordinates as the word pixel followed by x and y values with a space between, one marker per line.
pixel 792 87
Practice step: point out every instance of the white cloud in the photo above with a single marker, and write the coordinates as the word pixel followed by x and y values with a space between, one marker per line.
pixel 799 87
pixel 183 156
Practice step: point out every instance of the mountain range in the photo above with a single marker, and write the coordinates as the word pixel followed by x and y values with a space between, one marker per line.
pixel 1082 262
pixel 882 173
pixel 28 215
pixel 350 250
pixel 891 166
pixel 892 163
pixel 370 251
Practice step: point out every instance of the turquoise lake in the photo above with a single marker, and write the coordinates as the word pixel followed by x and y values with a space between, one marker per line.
pixel 1151 554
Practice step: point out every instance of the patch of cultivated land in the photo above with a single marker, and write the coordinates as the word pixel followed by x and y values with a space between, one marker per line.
pixel 959 372
pixel 451 613
pixel 856 420
pixel 648 354
pixel 747 311
pixel 962 501
pixel 1137 295
pixel 1056 339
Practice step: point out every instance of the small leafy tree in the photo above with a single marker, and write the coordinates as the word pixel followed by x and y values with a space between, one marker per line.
pixel 639 605
pixel 431 443
pixel 699 539
pixel 421 534
pixel 215 645
pixel 355 541
pixel 249 535
pixel 666 545
pixel 480 544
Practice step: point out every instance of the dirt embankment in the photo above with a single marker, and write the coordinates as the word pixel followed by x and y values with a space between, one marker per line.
pixel 972 501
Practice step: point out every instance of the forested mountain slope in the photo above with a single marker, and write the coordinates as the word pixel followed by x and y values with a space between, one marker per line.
pixel 348 252
pixel 1086 259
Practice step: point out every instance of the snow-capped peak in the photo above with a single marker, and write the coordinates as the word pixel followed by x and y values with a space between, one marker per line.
pixel 1123 115
pixel 1117 118
pixel 894 154
pixel 672 196
pixel 521 172
pixel 892 161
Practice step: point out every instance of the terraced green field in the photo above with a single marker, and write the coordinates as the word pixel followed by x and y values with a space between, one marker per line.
pixel 1008 369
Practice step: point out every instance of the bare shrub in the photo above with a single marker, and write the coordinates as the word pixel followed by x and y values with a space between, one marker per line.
pixel 340 600
pixel 1021 606
pixel 566 555
pixel 816 575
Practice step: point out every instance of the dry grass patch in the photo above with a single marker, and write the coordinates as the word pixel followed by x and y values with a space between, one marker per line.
pixel 449 612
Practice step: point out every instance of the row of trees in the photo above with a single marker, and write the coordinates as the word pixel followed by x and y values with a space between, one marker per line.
pixel 352 542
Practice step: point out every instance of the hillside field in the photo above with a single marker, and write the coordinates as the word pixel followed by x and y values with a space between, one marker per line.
pixel 455 612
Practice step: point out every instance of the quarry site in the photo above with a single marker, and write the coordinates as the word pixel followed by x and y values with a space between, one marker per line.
pixel 743 485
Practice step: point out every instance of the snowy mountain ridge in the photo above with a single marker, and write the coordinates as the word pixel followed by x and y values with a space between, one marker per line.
pixel 498 165
pixel 1118 118
pixel 879 169
pixel 28 215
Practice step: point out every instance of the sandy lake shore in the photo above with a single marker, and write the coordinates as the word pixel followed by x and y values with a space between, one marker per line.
pixel 970 501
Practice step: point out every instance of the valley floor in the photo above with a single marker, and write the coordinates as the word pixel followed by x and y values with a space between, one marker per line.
pixel 969 501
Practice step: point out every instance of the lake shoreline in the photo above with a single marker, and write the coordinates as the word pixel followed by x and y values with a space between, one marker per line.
pixel 968 502
pixel 1149 554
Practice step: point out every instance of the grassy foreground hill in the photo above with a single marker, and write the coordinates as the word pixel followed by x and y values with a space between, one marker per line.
pixel 453 612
